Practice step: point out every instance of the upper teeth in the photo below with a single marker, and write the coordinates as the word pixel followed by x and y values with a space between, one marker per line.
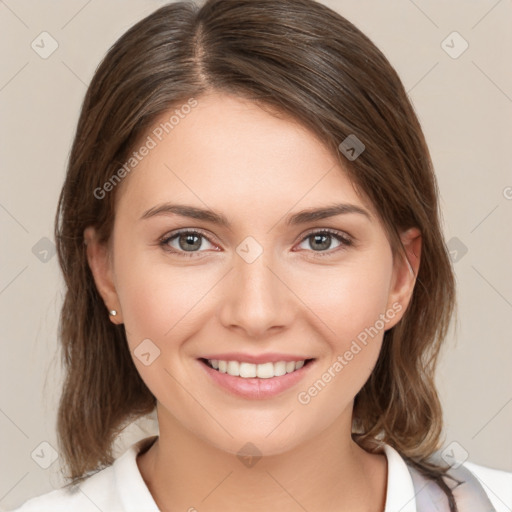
pixel 249 370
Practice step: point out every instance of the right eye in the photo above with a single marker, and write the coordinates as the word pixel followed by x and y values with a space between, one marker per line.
pixel 187 243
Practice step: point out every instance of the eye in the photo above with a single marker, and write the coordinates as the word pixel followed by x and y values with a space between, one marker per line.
pixel 188 242
pixel 322 241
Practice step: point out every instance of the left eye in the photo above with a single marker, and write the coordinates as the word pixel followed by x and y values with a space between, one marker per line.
pixel 189 242
pixel 322 240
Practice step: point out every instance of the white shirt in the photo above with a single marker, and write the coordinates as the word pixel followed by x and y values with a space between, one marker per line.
pixel 121 488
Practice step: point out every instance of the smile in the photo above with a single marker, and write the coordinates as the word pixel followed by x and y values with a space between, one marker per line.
pixel 256 381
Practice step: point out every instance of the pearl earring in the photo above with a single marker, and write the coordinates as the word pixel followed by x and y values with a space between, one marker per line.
pixel 113 312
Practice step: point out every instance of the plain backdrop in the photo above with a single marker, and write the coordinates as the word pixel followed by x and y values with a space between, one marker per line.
pixel 463 97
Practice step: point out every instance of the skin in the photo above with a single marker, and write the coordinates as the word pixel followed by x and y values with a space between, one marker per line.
pixel 231 156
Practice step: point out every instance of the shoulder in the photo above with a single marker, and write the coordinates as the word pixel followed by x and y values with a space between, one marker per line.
pixel 483 485
pixel 496 483
pixel 116 488
pixel 97 492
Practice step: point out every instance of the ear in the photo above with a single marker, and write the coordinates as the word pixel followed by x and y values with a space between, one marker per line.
pixel 405 270
pixel 98 257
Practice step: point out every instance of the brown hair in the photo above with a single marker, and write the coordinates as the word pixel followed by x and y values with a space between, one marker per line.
pixel 300 58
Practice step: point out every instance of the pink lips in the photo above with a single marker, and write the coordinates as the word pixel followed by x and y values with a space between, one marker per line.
pixel 255 388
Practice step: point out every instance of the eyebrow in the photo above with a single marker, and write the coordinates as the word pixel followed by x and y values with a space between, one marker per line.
pixel 302 217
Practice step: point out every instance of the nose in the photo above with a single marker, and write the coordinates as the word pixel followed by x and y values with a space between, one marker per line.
pixel 256 300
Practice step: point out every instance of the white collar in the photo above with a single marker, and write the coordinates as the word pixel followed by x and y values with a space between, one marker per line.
pixel 136 496
pixel 400 495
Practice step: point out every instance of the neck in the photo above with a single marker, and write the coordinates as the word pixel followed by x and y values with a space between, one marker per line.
pixel 330 472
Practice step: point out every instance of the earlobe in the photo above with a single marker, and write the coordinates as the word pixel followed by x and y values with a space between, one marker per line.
pixel 405 270
pixel 100 265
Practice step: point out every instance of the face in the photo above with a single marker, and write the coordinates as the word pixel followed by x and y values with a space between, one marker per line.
pixel 266 286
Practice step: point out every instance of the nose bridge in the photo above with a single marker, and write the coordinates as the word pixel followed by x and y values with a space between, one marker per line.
pixel 257 299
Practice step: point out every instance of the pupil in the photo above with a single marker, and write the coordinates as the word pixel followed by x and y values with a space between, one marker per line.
pixel 189 242
pixel 325 244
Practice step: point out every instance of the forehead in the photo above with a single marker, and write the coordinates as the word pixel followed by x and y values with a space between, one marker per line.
pixel 229 152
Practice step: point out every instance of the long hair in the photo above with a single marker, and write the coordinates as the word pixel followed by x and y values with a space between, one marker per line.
pixel 300 58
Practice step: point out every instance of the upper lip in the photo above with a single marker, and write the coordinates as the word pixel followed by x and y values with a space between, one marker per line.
pixel 256 359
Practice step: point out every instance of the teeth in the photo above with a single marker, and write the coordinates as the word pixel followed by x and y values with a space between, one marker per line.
pixel 233 368
pixel 264 370
pixel 249 370
pixel 290 366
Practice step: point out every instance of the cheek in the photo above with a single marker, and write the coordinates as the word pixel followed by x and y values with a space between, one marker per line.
pixel 153 299
pixel 349 298
pixel 349 305
pixel 157 302
pixel 160 299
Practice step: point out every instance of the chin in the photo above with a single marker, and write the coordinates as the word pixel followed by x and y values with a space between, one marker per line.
pixel 257 441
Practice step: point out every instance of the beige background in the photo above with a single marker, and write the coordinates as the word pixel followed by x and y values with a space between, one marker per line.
pixel 464 105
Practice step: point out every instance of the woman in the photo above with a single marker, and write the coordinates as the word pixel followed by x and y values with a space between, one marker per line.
pixel 249 233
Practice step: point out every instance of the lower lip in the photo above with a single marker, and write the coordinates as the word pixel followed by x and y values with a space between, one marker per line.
pixel 256 388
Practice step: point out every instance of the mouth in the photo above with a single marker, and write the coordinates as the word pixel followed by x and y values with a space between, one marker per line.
pixel 256 381
pixel 247 370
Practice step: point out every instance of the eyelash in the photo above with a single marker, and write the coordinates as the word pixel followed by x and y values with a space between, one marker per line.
pixel 345 242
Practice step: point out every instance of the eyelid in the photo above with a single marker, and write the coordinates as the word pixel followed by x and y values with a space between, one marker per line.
pixel 332 231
